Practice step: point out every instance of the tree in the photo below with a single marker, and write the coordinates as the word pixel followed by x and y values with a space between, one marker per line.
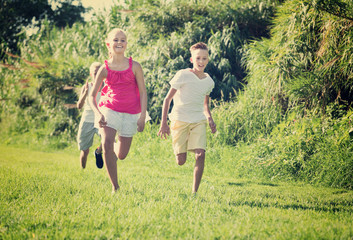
pixel 15 14
pixel 336 7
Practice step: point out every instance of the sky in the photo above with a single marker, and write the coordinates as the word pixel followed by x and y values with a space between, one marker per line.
pixel 97 5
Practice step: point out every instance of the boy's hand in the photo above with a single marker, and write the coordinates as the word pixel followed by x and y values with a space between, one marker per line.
pixel 164 131
pixel 140 124
pixel 85 88
pixel 212 125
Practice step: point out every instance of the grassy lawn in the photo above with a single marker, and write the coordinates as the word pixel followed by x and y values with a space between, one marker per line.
pixel 45 195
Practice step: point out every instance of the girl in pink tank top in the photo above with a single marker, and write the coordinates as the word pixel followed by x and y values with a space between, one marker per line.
pixel 121 92
pixel 123 102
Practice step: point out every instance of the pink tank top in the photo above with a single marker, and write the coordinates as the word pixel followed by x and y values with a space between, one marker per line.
pixel 121 93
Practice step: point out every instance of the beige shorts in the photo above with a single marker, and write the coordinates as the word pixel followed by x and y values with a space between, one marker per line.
pixel 188 136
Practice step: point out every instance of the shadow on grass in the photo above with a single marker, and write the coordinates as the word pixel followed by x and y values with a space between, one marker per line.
pixel 236 184
pixel 326 207
pixel 240 184
pixel 268 184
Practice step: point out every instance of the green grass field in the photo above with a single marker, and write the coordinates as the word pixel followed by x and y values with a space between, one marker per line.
pixel 45 195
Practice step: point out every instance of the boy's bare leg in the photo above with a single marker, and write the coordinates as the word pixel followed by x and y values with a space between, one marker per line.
pixel 198 170
pixel 108 137
pixel 99 149
pixel 83 157
pixel 181 158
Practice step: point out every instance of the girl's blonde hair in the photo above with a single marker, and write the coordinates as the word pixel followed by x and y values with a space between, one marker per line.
pixel 114 31
pixel 111 32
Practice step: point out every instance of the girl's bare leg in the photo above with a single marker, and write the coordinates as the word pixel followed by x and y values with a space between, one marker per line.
pixel 108 137
pixel 198 170
pixel 123 147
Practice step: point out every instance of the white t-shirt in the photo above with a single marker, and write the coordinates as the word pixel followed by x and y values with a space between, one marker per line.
pixel 88 114
pixel 190 96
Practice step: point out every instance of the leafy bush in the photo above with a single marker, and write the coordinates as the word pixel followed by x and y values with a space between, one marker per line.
pixel 312 149
pixel 295 112
pixel 15 14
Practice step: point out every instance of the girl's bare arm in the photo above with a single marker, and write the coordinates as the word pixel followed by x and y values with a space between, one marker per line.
pixel 137 69
pixel 101 75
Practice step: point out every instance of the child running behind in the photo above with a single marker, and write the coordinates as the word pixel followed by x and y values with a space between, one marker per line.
pixel 123 103
pixel 190 89
pixel 86 128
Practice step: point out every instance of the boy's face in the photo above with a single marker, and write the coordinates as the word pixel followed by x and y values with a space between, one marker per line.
pixel 199 59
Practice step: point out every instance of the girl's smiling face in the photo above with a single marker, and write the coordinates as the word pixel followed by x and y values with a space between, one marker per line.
pixel 117 42
pixel 199 59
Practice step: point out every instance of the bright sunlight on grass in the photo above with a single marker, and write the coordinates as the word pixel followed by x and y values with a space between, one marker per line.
pixel 47 195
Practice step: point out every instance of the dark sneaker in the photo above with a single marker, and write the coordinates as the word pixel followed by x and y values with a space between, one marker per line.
pixel 99 159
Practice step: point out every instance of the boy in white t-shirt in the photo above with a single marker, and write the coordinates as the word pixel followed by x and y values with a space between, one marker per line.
pixel 190 89
pixel 87 130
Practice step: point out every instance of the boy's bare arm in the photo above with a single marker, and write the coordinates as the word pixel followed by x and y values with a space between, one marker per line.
pixel 164 129
pixel 83 95
pixel 208 114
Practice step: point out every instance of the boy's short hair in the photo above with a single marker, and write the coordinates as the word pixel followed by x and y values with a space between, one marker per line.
pixel 93 69
pixel 199 45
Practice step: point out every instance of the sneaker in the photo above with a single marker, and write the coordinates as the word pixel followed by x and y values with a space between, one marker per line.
pixel 99 159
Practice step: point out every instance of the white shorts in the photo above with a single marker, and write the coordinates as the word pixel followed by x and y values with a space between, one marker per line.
pixel 124 123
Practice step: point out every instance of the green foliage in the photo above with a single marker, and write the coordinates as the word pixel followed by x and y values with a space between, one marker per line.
pixel 160 34
pixel 168 30
pixel 16 14
pixel 308 149
pixel 257 109
pixel 295 112
pixel 342 9
pixel 312 52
